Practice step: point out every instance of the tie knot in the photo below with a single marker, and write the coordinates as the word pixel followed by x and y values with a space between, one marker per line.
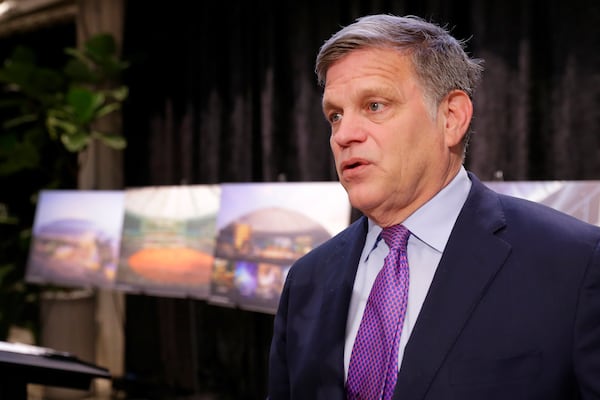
pixel 395 236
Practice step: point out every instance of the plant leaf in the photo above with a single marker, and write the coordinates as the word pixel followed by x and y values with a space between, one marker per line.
pixel 101 46
pixel 107 109
pixel 20 120
pixel 80 71
pixel 75 142
pixel 17 155
pixel 119 94
pixel 58 125
pixel 116 142
pixel 84 102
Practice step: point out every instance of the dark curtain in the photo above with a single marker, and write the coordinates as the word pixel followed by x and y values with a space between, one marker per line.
pixel 538 110
pixel 225 92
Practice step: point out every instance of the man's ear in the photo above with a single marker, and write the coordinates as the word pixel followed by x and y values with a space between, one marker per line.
pixel 458 110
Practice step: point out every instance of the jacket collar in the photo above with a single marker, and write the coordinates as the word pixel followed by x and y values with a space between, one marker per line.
pixel 473 252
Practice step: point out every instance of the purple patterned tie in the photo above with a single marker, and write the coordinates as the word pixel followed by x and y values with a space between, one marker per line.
pixel 373 365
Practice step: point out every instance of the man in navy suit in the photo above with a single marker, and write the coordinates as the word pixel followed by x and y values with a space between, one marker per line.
pixel 504 294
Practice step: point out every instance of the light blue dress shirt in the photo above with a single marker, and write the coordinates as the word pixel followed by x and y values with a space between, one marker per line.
pixel 430 228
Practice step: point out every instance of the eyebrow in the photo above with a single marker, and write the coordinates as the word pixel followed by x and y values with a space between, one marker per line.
pixel 327 105
pixel 383 91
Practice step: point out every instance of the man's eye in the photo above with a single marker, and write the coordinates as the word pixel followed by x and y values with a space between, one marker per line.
pixel 334 117
pixel 375 106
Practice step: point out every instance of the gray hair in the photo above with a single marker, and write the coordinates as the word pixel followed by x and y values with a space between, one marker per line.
pixel 439 60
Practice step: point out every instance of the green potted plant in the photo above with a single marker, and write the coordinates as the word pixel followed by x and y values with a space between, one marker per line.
pixel 48 117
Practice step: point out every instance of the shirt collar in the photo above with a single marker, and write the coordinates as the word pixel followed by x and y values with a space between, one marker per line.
pixel 434 220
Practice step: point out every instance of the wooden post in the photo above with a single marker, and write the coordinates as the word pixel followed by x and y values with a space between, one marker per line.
pixel 101 168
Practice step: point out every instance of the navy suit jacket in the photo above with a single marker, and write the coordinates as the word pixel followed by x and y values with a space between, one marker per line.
pixel 513 312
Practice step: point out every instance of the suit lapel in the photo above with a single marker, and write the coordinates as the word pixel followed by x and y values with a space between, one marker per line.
pixel 470 261
pixel 341 266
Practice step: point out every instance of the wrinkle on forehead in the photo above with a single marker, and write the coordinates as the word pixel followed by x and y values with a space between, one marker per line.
pixel 376 72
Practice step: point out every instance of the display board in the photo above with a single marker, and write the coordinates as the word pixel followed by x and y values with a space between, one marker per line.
pixel 76 238
pixel 262 229
pixel 168 237
pixel 230 244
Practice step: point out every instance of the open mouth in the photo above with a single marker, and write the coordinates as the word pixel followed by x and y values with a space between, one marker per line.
pixel 352 164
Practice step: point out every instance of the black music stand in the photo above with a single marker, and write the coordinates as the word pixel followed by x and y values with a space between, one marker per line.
pixel 21 365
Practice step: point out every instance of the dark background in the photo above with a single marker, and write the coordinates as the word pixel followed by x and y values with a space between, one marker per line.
pixel 225 92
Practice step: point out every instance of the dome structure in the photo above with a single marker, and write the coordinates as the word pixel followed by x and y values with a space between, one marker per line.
pixel 272 234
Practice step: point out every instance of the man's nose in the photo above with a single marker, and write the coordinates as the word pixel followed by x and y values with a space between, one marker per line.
pixel 349 129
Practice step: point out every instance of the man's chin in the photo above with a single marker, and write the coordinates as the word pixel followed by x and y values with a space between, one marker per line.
pixel 361 200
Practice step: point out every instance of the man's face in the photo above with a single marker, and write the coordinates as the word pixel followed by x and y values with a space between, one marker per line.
pixel 391 154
